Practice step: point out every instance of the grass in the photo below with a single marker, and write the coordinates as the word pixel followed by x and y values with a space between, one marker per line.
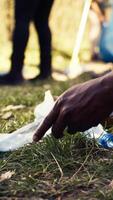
pixel 69 168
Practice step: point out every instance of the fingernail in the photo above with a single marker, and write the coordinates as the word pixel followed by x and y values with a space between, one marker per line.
pixel 35 138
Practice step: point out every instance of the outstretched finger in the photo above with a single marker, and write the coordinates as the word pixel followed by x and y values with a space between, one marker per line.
pixel 45 125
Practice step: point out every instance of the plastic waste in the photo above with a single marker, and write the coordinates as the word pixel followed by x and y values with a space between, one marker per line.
pixel 101 136
pixel 24 135
pixel 106 140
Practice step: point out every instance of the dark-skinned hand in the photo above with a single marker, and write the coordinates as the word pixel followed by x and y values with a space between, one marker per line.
pixel 80 108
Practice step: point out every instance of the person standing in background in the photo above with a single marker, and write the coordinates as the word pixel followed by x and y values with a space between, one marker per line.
pixel 26 11
pixel 97 16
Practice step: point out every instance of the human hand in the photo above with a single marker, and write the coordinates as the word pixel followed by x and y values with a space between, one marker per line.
pixel 79 108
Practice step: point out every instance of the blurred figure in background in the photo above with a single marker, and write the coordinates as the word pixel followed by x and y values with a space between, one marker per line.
pixel 26 11
pixel 97 17
pixel 106 37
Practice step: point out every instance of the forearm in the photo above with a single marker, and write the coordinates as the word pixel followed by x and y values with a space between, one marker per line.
pixel 107 84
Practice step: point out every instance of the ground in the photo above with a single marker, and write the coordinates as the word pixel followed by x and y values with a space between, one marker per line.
pixel 70 168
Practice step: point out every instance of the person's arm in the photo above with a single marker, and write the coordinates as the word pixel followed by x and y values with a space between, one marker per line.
pixel 95 7
pixel 80 108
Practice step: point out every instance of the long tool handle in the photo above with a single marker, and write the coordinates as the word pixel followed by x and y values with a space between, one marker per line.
pixel 74 60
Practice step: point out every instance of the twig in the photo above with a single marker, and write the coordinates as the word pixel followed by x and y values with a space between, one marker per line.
pixel 82 165
pixel 60 169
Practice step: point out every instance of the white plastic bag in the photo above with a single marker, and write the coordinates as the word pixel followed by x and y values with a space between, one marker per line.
pixel 94 132
pixel 24 135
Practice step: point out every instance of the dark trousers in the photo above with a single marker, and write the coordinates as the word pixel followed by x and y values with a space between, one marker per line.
pixel 26 11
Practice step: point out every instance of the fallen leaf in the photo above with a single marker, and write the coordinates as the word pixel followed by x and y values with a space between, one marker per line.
pixel 7 115
pixel 110 185
pixel 6 175
pixel 13 107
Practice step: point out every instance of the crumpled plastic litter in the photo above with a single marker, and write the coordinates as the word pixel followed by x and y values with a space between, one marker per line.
pixel 24 135
pixel 94 132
